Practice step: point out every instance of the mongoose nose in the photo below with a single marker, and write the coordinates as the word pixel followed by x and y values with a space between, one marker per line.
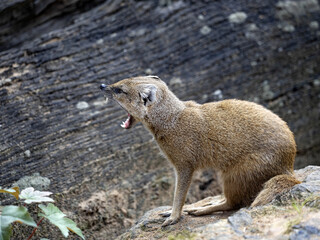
pixel 103 87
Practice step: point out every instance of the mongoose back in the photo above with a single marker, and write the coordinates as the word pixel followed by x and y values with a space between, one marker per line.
pixel 251 147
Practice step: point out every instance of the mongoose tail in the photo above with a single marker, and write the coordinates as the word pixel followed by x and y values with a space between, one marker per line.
pixel 273 187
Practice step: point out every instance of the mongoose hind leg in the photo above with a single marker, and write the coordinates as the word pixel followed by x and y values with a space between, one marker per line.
pixel 202 203
pixel 199 211
pixel 235 193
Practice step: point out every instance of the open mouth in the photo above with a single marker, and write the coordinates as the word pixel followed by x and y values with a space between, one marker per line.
pixel 128 123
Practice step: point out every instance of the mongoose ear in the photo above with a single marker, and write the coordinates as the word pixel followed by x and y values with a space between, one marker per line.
pixel 154 77
pixel 148 93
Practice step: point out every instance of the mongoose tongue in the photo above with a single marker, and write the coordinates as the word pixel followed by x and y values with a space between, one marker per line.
pixel 127 123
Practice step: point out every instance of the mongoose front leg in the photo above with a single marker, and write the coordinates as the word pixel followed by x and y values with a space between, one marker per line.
pixel 183 180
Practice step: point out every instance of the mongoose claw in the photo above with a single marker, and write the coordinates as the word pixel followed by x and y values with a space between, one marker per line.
pixel 195 211
pixel 170 221
pixel 165 214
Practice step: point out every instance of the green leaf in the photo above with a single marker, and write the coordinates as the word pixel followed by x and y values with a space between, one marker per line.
pixel 13 191
pixel 32 196
pixel 12 214
pixel 56 217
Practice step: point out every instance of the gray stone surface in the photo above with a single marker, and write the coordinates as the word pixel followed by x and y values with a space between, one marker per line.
pixel 310 181
pixel 296 218
pixel 306 230
pixel 36 181
pixel 240 220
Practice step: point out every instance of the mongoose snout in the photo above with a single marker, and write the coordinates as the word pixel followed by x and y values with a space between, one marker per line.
pixel 109 91
pixel 252 148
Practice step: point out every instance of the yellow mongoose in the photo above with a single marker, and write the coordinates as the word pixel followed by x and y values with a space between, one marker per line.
pixel 250 146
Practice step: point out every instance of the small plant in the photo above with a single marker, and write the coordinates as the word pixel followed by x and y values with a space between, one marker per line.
pixel 20 214
pixel 183 235
pixel 292 223
pixel 298 207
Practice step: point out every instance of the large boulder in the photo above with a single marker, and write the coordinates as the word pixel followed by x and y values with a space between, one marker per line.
pixel 292 215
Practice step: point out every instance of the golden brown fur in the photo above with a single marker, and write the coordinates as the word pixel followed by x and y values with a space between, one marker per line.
pixel 250 146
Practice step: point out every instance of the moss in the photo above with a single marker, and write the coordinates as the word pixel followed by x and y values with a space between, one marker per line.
pixel 292 223
pixel 183 235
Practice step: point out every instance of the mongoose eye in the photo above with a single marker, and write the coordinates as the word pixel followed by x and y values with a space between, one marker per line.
pixel 118 90
pixel 145 101
pixel 103 87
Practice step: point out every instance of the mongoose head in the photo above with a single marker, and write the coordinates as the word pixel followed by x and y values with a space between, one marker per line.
pixel 137 96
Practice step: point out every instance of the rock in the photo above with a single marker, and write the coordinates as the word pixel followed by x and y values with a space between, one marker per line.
pixel 307 229
pixel 240 220
pixel 309 189
pixel 287 27
pixel 82 105
pixel 147 223
pixel 294 218
pixel 137 33
pixel 36 181
pixel 306 188
pixel 217 94
pixel 205 30
pixel 148 71
pixel 267 94
pixel 252 27
pixel 27 153
pixel 310 183
pixel 175 82
pixel 309 173
pixel 201 17
pixel 314 25
pixel 238 17
pixel 316 82
pixel 296 9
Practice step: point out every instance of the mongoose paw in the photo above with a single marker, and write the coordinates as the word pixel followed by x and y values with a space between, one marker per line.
pixel 170 221
pixel 196 211
pixel 165 214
